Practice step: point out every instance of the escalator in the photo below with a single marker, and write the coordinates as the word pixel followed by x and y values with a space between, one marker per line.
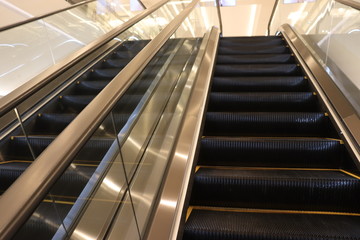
pixel 19 148
pixel 270 163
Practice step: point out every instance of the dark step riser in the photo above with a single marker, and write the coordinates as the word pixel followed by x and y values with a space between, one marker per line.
pixel 276 102
pixel 259 84
pixel 250 124
pixel 70 184
pixel 276 193
pixel 256 58
pixel 271 153
pixel 214 225
pixel 239 50
pixel 257 70
pixel 18 149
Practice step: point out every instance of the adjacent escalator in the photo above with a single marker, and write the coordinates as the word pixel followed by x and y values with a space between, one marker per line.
pixel 22 146
pixel 271 164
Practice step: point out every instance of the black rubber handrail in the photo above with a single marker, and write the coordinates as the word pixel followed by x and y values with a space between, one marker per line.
pixel 33 19
pixel 31 187
pixel 19 95
pixel 350 3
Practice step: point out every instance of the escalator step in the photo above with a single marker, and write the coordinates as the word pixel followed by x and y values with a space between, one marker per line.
pixel 116 63
pixel 266 124
pixel 315 190
pixel 93 151
pixel 52 123
pixel 271 101
pixel 55 123
pixel 104 73
pixel 90 87
pixel 255 58
pixel 256 69
pixel 10 171
pixel 75 103
pixel 271 152
pixel 71 183
pixel 261 40
pixel 211 225
pixel 125 54
pixel 94 87
pixel 44 222
pixel 237 50
pixel 274 84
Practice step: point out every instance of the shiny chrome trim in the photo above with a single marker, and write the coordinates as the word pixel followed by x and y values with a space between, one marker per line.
pixel 31 187
pixel 350 3
pixel 159 149
pixel 149 106
pixel 339 107
pixel 10 101
pixel 275 7
pixel 33 19
pixel 219 15
pixel 166 221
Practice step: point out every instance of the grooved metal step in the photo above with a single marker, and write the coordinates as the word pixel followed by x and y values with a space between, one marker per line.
pixel 256 69
pixel 271 152
pixel 263 101
pixel 267 124
pixel 259 84
pixel 211 225
pixel 254 58
pixel 315 190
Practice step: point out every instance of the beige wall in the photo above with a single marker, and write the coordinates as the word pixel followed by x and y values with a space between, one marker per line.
pixel 248 18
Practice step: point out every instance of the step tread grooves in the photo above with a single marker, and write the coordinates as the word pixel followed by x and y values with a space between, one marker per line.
pixel 211 225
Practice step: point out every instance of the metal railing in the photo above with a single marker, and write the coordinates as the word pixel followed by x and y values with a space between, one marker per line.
pixel 167 218
pixel 339 107
pixel 219 15
pixel 276 4
pixel 38 179
pixel 350 3
pixel 33 19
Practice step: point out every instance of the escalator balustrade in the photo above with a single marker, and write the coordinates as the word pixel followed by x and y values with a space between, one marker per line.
pixel 43 127
pixel 270 164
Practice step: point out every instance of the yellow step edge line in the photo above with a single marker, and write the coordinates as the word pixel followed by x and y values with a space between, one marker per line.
pixel 268 168
pixel 26 161
pixel 85 164
pixel 56 201
pixel 87 199
pixel 188 213
pixel 20 161
pixel 275 138
pixel 197 168
pixel 250 210
pixel 350 174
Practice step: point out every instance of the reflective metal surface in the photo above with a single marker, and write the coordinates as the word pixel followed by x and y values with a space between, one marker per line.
pixel 350 3
pixel 150 170
pixel 168 212
pixel 340 108
pixel 276 4
pixel 219 15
